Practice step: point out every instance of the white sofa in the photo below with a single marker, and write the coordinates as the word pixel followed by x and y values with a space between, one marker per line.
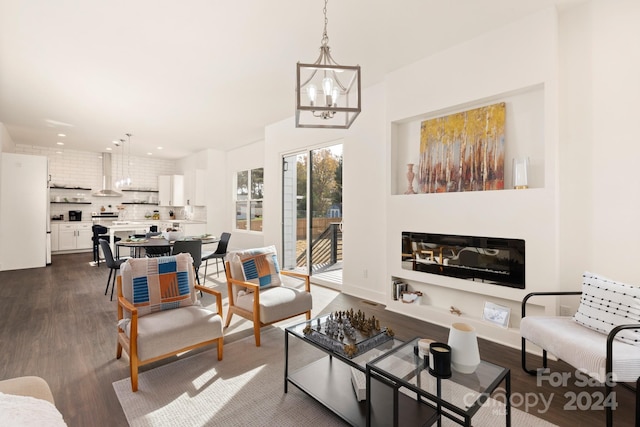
pixel 602 339
pixel 28 401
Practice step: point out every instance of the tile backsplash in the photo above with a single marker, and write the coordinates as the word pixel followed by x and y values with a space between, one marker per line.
pixel 71 168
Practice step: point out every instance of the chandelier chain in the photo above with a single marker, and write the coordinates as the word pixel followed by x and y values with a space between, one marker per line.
pixel 325 37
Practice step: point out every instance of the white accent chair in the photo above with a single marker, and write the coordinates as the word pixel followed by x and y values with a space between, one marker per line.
pixel 159 314
pixel 611 310
pixel 260 292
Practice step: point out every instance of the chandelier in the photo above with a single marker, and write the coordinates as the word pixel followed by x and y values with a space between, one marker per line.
pixel 125 177
pixel 327 94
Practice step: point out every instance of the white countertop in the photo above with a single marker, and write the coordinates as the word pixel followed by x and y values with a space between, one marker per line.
pixel 157 221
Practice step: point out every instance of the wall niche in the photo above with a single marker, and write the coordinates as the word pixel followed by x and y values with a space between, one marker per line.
pixel 524 138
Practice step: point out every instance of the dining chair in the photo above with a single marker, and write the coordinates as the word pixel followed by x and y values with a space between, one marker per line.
pixel 113 264
pixel 218 255
pixel 156 250
pixel 99 232
pixel 193 247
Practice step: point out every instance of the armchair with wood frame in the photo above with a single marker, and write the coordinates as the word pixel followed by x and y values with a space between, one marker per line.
pixel 159 314
pixel 259 291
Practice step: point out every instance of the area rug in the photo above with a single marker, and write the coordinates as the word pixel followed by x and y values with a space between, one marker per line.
pixel 245 389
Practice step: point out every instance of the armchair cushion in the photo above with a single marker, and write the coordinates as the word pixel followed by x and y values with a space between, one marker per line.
pixel 582 348
pixel 158 284
pixel 277 303
pixel 161 333
pixel 606 304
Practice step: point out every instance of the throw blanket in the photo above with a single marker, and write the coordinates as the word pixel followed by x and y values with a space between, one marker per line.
pixel 26 411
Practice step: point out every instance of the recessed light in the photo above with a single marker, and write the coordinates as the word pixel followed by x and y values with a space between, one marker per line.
pixel 58 152
pixel 62 134
pixel 109 148
pixel 159 148
pixel 149 154
pixel 60 143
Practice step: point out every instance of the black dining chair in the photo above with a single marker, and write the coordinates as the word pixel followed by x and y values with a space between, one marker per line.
pixel 218 255
pixel 113 264
pixel 99 232
pixel 156 251
pixel 193 247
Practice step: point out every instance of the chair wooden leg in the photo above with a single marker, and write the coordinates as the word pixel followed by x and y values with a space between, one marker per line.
pixel 228 322
pixel 133 367
pixel 220 345
pixel 308 315
pixel 256 328
pixel 256 332
pixel 118 350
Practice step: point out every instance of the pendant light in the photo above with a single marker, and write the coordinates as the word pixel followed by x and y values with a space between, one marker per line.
pixel 327 94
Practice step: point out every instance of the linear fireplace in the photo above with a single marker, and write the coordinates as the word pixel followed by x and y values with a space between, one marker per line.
pixel 485 259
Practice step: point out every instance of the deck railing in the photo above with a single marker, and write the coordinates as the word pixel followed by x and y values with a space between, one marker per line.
pixel 326 249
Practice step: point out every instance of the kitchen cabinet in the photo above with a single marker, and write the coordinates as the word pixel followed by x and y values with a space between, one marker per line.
pixel 74 236
pixel 54 237
pixel 194 187
pixel 171 190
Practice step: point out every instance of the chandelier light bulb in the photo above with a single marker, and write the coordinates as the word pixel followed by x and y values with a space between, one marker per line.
pixel 335 94
pixel 312 93
pixel 327 88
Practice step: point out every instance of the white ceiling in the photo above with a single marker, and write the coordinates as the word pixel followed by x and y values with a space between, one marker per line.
pixel 200 74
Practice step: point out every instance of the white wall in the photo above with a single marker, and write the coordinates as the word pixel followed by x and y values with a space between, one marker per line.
pixel 520 58
pixel 6 143
pixel 615 200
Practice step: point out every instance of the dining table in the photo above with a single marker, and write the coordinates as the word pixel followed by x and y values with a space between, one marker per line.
pixel 157 241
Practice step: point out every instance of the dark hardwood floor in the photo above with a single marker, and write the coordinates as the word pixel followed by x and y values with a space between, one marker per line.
pixel 58 324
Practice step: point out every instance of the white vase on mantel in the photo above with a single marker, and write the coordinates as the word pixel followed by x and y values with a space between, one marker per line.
pixel 465 355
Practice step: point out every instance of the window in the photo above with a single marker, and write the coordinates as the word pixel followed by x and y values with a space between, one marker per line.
pixel 249 194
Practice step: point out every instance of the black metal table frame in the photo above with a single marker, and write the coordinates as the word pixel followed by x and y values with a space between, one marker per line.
pixel 329 352
pixel 426 397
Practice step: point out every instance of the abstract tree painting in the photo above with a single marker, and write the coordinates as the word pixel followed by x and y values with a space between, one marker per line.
pixel 463 151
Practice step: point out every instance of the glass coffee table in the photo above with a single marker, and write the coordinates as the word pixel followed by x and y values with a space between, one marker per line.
pixel 330 378
pixel 458 397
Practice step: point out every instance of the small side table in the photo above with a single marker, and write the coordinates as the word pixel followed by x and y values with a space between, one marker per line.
pixel 458 398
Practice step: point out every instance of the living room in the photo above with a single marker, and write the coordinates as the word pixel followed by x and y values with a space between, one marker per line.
pixel 579 66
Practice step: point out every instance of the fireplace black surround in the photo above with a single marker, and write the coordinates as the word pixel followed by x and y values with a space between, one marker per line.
pixel 484 259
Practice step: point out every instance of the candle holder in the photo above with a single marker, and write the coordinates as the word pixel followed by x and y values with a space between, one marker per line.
pixel 440 360
pixel 521 173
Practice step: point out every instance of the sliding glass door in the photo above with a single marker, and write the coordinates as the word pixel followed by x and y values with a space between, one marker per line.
pixel 312 210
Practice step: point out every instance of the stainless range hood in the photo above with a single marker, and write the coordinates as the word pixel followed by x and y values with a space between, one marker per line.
pixel 106 179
